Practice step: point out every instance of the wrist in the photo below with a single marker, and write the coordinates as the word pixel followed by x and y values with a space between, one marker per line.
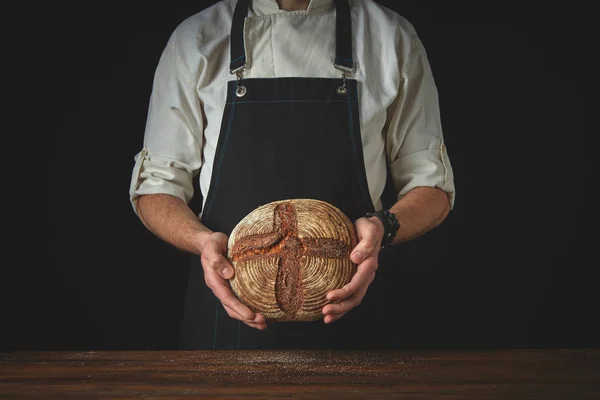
pixel 202 237
pixel 389 223
pixel 379 227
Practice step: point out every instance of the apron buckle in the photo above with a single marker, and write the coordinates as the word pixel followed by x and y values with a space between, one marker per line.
pixel 342 89
pixel 241 90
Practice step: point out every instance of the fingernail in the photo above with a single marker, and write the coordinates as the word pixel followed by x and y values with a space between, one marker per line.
pixel 227 272
pixel 358 256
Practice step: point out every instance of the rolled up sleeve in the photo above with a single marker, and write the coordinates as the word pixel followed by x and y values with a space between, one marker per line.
pixel 415 144
pixel 172 147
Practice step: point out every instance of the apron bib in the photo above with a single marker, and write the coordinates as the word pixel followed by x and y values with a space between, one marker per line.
pixel 282 138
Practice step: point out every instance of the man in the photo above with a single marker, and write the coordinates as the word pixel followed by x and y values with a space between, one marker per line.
pixel 266 100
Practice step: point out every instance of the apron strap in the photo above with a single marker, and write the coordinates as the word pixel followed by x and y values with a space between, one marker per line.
pixel 343 37
pixel 238 52
pixel 343 42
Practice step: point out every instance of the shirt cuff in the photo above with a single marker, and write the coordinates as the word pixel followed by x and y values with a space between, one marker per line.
pixel 429 168
pixel 156 174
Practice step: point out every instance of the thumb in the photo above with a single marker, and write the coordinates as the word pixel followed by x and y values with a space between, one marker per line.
pixel 216 261
pixel 222 240
pixel 363 250
pixel 367 232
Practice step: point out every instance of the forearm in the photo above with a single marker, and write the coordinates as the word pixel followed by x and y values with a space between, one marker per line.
pixel 169 218
pixel 419 211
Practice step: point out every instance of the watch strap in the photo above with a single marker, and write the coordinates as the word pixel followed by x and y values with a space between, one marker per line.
pixel 391 225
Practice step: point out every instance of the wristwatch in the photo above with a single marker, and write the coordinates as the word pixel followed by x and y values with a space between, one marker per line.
pixel 390 226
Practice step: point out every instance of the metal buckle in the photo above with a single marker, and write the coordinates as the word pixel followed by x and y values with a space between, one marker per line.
pixel 344 68
pixel 235 71
pixel 240 91
pixel 342 89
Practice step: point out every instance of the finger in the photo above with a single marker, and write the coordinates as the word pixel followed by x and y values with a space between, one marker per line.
pixel 336 311
pixel 330 318
pixel 346 305
pixel 258 318
pixel 213 258
pixel 369 240
pixel 259 321
pixel 365 273
pixel 221 289
pixel 260 327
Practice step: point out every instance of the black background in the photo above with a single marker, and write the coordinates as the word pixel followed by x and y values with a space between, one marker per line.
pixel 511 266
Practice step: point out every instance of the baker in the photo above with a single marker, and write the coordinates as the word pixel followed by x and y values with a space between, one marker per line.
pixel 267 100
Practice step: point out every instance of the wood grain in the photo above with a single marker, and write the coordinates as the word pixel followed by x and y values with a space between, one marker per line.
pixel 503 374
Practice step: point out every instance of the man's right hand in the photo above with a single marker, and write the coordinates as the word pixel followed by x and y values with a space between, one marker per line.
pixel 217 270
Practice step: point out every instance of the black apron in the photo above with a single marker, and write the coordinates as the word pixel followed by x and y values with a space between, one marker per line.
pixel 282 138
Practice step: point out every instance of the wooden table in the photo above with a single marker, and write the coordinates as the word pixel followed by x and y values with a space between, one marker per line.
pixel 517 374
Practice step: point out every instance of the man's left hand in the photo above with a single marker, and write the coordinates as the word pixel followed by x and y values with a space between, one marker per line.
pixel 365 255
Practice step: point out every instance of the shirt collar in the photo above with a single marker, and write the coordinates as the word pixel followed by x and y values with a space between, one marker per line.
pixel 262 7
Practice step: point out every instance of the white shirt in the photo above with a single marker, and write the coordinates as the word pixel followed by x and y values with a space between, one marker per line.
pixel 398 100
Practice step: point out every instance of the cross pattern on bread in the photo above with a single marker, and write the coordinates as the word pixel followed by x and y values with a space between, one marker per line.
pixel 292 250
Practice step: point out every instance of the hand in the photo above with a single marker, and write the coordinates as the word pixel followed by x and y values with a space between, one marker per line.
pixel 366 256
pixel 217 270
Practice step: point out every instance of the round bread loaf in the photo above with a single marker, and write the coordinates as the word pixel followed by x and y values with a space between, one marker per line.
pixel 288 255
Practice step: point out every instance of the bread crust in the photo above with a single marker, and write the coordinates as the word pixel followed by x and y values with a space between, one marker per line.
pixel 288 255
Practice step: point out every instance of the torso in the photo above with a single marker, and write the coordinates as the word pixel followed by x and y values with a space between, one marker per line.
pixel 305 50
